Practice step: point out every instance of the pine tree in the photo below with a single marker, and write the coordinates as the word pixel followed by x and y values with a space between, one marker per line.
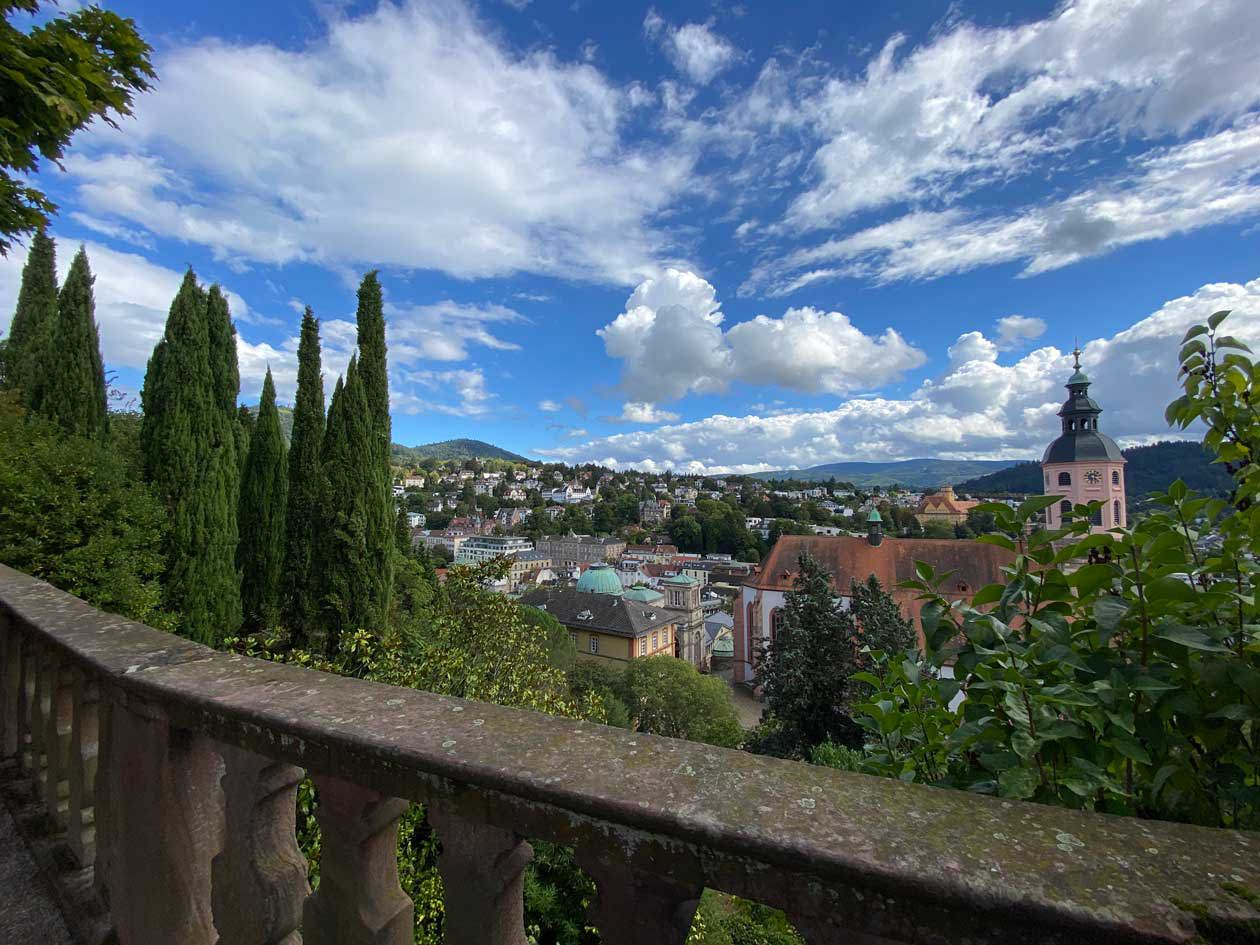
pixel 346 576
pixel 806 667
pixel 34 318
pixel 880 623
pixel 246 418
pixel 73 393
pixel 302 523
pixel 374 379
pixel 264 498
pixel 189 449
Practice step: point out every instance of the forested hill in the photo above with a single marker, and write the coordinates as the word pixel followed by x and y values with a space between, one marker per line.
pixel 1150 469
pixel 453 449
pixel 921 473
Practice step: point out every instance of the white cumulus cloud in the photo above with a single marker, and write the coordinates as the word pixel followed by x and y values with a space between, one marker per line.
pixel 694 48
pixel 671 341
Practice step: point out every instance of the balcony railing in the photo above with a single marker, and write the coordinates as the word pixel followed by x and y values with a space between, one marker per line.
pixel 170 773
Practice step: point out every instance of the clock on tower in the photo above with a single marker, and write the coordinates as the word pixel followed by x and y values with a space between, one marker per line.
pixel 1093 477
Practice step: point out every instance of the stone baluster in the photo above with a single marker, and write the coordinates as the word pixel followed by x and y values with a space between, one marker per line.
pixel 84 745
pixel 634 906
pixel 259 878
pixel 57 725
pixel 104 820
pixel 163 826
pixel 483 880
pixel 359 901
pixel 43 668
pixel 26 659
pixel 10 685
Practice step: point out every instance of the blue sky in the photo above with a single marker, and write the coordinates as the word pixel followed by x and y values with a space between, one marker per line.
pixel 694 235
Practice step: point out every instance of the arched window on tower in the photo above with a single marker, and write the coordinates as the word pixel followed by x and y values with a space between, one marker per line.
pixel 1071 424
pixel 1065 509
pixel 1115 507
pixel 1065 478
pixel 1115 477
pixel 1096 516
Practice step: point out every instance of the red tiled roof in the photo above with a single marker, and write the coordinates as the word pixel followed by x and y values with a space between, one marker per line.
pixel 974 563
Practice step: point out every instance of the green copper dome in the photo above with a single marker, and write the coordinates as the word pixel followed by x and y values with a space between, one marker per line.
pixel 644 594
pixel 600 579
pixel 874 516
pixel 681 579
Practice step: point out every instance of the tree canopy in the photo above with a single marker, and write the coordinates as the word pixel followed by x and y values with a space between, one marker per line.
pixel 58 77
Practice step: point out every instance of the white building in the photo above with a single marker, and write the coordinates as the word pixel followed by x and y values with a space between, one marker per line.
pixel 485 547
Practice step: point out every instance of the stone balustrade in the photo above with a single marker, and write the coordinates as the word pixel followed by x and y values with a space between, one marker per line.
pixel 171 772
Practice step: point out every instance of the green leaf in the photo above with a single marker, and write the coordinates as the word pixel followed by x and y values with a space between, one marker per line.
pixel 1001 541
pixel 1194 332
pixel 1229 341
pixel 1236 713
pixel 1030 507
pixel 1188 637
pixel 1169 588
pixel 1215 319
pixel 1089 578
pixel 988 594
pixel 1130 749
pixel 1151 684
pixel 1109 611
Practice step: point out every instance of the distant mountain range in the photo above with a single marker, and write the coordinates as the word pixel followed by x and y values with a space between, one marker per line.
pixel 918 473
pixel 402 455
pixel 1150 469
pixel 453 449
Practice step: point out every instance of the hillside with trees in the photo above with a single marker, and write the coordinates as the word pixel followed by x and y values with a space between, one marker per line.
pixel 1150 469
pixel 923 473
pixel 452 449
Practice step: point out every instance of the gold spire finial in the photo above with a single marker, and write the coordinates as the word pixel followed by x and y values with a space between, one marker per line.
pixel 1076 353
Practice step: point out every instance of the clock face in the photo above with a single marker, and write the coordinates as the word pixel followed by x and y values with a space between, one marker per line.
pixel 1093 477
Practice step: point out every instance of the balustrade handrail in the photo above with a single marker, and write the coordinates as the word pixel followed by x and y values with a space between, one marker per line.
pixel 838 851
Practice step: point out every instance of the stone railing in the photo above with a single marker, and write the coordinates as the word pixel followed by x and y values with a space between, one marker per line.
pixel 170 770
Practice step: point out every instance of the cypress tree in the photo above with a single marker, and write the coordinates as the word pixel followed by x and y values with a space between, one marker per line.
pixel 402 533
pixel 34 317
pixel 264 497
pixel 348 598
pixel 374 379
pixel 190 460
pixel 73 392
pixel 227 386
pixel 246 418
pixel 302 523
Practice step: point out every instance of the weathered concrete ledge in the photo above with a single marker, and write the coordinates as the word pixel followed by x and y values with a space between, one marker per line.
pixel 841 853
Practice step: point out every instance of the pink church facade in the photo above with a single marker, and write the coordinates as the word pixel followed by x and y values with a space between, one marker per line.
pixel 1083 464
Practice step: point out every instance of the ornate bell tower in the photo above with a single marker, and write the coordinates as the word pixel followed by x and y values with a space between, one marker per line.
pixel 1084 465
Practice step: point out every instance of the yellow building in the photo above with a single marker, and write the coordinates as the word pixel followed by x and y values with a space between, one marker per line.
pixel 943 506
pixel 607 622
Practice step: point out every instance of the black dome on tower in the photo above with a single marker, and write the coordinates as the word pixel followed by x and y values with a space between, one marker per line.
pixel 1080 439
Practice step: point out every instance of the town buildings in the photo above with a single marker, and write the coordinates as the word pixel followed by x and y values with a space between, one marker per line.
pixel 581 549
pixel 1083 465
pixel 654 511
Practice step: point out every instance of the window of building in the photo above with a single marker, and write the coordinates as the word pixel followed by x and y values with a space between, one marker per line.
pixel 1095 517
pixel 1065 478
pixel 1115 508
pixel 1065 508
pixel 573 637
pixel 594 643
pixel 776 622
pixel 1115 477
pixel 643 646
pixel 653 642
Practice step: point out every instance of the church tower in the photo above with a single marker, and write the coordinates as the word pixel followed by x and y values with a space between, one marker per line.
pixel 1084 465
